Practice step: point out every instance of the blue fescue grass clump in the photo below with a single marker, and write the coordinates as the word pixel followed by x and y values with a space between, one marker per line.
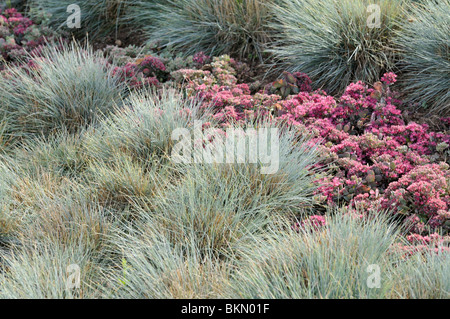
pixel 97 18
pixel 426 276
pixel 213 26
pixel 424 43
pixel 151 266
pixel 68 88
pixel 332 40
pixel 142 127
pixel 331 262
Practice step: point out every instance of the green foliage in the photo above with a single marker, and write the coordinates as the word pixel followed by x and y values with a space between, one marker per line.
pixel 20 5
pixel 56 225
pixel 9 222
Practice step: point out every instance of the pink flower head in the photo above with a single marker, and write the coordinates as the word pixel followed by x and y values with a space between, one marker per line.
pixel 389 78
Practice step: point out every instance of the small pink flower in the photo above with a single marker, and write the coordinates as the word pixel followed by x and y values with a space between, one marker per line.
pixel 389 78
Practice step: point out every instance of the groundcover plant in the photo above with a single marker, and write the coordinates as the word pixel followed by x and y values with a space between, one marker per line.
pixel 225 149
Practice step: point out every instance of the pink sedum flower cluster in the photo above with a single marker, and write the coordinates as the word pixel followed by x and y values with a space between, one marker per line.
pixel 377 159
pixel 389 78
pixel 151 66
pixel 19 35
pixel 200 59
pixel 138 75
